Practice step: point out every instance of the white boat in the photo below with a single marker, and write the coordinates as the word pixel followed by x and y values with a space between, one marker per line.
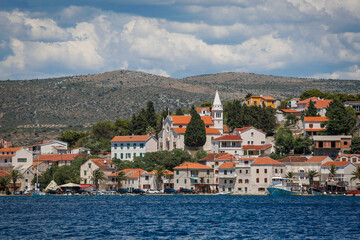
pixel 284 186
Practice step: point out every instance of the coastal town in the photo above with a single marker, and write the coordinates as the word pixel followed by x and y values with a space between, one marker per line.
pixel 242 160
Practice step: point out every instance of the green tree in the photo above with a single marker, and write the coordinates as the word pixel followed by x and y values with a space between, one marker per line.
pixel 71 137
pixel 195 134
pixel 103 130
pixel 356 174
pixel 289 175
pixel 341 121
pixel 355 145
pixel 206 104
pixel 159 174
pixel 311 110
pixel 5 181
pixel 139 123
pixel 284 141
pixel 200 154
pixel 311 174
pixel 248 95
pixel 151 115
pixel 98 175
pixel 15 175
pixel 302 145
pixel 291 119
pixel 120 177
pixel 311 93
pixel 179 112
pixel 122 126
pixel 332 171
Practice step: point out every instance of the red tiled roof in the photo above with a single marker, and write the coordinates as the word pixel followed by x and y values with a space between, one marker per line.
pixel 266 161
pixel 293 159
pixel 212 156
pixel 10 149
pixel 335 163
pixel 7 155
pixel 256 147
pixel 101 162
pixel 4 173
pixel 313 99
pixel 191 165
pixel 242 129
pixel 314 129
pixel 289 110
pixel 226 129
pixel 184 120
pixel 317 158
pixel 322 103
pixel 227 165
pixel 316 119
pixel 229 137
pixel 199 109
pixel 208 130
pixel 136 138
pixel 267 98
pixel 166 172
pixel 226 157
pixel 56 157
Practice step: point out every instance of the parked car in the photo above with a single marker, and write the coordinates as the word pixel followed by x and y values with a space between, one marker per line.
pixel 83 192
pixel 186 191
pixel 169 191
pixel 152 191
pixel 138 191
pixel 69 192
pixel 54 192
pixel 109 192
pixel 97 192
pixel 123 191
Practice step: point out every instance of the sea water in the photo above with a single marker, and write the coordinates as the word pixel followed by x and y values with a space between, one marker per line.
pixel 179 217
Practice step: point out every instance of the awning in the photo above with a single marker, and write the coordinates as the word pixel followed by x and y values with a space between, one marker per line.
pixel 195 178
pixel 70 185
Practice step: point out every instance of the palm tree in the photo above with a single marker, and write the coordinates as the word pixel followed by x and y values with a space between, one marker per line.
pixel 98 175
pixel 4 181
pixel 289 175
pixel 332 171
pixel 14 176
pixel 356 174
pixel 311 174
pixel 120 177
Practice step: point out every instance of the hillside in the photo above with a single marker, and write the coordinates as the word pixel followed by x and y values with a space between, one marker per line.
pixel 118 94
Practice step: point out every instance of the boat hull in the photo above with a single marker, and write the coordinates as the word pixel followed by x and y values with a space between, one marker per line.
pixel 280 192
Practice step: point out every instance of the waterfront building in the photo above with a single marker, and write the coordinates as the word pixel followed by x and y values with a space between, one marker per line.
pixel 354 158
pixel 58 159
pixel 87 169
pixel 128 147
pixel 331 145
pixel 166 181
pixel 29 173
pixel 194 176
pixel 342 175
pixel 227 177
pixel 253 175
pixel 15 157
pixel 261 101
pixel 136 178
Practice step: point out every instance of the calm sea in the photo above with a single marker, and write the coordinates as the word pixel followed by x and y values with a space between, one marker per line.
pixel 179 217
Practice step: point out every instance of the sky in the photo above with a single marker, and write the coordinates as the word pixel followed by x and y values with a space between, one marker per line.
pixel 295 38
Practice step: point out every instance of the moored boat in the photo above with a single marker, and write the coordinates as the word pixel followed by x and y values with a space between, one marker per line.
pixel 284 187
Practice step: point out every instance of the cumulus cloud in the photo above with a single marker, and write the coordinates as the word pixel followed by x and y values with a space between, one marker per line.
pixel 351 73
pixel 250 36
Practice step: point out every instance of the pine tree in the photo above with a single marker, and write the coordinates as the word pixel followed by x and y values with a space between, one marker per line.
pixel 195 134
pixel 340 121
pixel 151 115
pixel 311 111
pixel 179 112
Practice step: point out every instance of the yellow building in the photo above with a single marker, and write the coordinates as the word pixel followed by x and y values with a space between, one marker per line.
pixel 260 101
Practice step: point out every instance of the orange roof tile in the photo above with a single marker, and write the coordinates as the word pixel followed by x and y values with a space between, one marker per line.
pixel 256 147
pixel 199 109
pixel 306 101
pixel 166 172
pixel 4 173
pixel 226 157
pixel 227 165
pixel 322 103
pixel 267 98
pixel 136 138
pixel 266 161
pixel 243 129
pixel 130 172
pixel 335 163
pixel 229 138
pixel 56 157
pixel 226 129
pixel 212 156
pixel 314 129
pixel 208 130
pixel 101 162
pixel 294 159
pixel 191 165
pixel 184 120
pixel 7 155
pixel 289 111
pixel 317 158
pixel 316 119
pixel 10 149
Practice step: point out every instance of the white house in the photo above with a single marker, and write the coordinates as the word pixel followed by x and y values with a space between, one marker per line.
pixel 87 169
pixel 227 177
pixel 128 147
pixel 293 103
pixel 58 159
pixel 15 157
pixel 136 178
pixel 354 158
pixel 47 147
pixel 313 125
pixel 343 173
pixel 203 111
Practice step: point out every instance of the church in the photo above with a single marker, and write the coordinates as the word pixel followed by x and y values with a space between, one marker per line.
pixel 172 134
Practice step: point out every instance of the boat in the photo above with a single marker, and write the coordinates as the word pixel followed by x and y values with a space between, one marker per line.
pixel 284 187
pixel 222 193
pixel 316 192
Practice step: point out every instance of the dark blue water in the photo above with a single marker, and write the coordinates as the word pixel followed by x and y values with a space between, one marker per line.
pixel 179 217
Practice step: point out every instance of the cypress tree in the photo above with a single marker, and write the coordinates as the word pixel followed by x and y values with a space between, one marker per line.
pixel 311 111
pixel 151 115
pixel 340 121
pixel 195 134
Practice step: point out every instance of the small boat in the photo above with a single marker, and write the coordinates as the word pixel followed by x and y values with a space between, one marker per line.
pixel 284 187
pixel 222 194
pixel 316 192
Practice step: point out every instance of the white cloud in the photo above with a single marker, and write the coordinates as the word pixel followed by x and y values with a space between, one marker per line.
pixel 352 73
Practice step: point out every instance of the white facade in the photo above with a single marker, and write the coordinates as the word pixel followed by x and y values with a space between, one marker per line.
pixel 87 169
pixel 128 147
pixel 15 157
pixel 188 175
pixel 343 173
pixel 217 113
pixel 47 147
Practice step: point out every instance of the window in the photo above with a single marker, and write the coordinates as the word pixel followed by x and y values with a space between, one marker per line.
pixel 207 180
pixel 141 145
pixel 216 163
pixel 146 177
pixel 26 180
pixel 239 188
pixel 333 144
pixel 21 159
pixel 252 134
pixel 115 155
pixel 265 170
pixel 128 146
pixel 225 172
pixel 121 146
pixel 185 181
pixel 262 142
pixel 84 173
pixel 276 170
pixel 248 142
pixel 212 166
pixel 246 162
pixel 84 181
pixel 225 181
pixel 208 172
pixel 177 172
pixel 134 154
pixel 257 170
pixel 257 180
pixel 231 181
pixel 141 155
pixel 261 189
pixel 240 180
pixel 115 146
pixel 240 171
pixel 354 160
pixel 246 180
pixel 177 180
pixel 216 171
pixel 247 171
pixel 345 143
pixel 121 155
pixel 134 145
pixel 311 125
pixel 265 180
